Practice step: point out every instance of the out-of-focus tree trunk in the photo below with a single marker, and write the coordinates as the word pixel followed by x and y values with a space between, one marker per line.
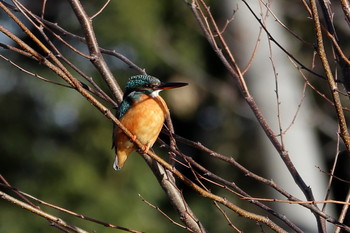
pixel 300 140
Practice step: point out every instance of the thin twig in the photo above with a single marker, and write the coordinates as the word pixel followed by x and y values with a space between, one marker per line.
pixel 272 38
pixel 297 202
pixel 121 57
pixel 100 10
pixel 41 213
pixel 71 212
pixel 95 51
pixel 33 74
pixel 233 68
pixel 332 84
pixel 248 173
pixel 164 214
pixel 226 184
pixel 331 175
pixel 344 210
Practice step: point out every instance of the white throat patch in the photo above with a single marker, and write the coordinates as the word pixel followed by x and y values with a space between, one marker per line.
pixel 155 93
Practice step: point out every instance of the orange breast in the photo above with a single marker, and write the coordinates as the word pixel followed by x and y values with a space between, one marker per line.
pixel 145 120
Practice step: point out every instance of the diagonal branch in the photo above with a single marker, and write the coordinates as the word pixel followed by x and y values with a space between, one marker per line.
pixel 67 76
pixel 229 62
pixel 94 49
pixel 331 82
pixel 24 196
pixel 163 176
pixel 41 213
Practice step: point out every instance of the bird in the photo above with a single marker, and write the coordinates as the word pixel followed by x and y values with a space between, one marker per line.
pixel 143 112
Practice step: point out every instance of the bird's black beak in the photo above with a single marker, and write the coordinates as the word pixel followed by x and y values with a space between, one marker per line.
pixel 166 86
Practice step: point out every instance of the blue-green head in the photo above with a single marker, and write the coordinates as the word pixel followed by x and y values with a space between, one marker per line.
pixel 143 84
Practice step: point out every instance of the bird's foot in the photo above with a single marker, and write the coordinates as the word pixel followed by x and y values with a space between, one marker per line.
pixel 145 149
pixel 133 138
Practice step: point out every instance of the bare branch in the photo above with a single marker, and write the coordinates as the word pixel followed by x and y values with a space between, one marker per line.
pixel 99 11
pixel 164 214
pixel 333 87
pixel 233 68
pixel 41 213
pixel 97 58
pixel 346 9
pixel 23 195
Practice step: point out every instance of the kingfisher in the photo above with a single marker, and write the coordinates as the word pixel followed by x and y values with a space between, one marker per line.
pixel 143 112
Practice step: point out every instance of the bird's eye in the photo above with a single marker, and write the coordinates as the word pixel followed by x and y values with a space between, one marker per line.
pixel 150 85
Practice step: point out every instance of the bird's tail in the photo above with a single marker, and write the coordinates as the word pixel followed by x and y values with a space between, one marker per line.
pixel 120 158
pixel 115 164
